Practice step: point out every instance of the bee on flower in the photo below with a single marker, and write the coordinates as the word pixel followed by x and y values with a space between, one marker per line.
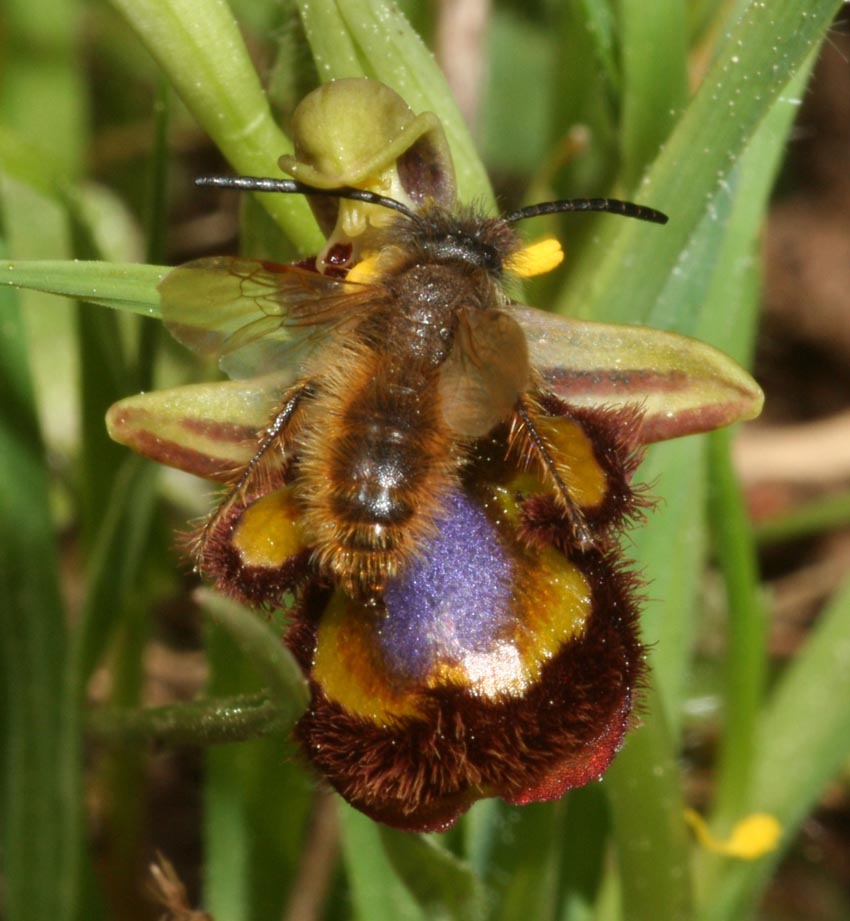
pixel 434 476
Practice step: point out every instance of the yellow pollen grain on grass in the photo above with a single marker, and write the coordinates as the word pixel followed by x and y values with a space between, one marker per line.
pixel 269 533
pixel 754 836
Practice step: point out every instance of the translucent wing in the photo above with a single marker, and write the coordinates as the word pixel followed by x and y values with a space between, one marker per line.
pixel 257 317
pixel 683 386
pixel 485 373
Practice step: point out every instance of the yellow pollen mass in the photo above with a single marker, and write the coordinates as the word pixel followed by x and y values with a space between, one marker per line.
pixel 364 272
pixel 536 258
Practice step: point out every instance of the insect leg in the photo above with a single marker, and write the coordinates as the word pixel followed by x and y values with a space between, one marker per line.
pixel 262 474
pixel 250 478
pixel 527 438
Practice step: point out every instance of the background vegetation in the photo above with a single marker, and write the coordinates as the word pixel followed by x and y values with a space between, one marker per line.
pixel 105 114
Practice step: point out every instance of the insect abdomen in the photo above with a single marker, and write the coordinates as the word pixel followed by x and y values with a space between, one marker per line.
pixel 373 479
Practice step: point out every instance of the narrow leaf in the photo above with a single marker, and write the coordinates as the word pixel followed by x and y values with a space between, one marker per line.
pixel 128 287
pixel 198 45
pixel 262 646
pixel 377 893
pixel 440 883
pixel 39 858
pixel 766 47
pixel 655 87
pixel 645 792
pixel 804 740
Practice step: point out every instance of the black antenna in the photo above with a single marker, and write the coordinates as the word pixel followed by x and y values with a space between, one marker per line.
pixel 614 205
pixel 291 186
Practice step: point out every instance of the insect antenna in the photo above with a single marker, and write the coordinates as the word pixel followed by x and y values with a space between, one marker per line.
pixel 613 205
pixel 292 186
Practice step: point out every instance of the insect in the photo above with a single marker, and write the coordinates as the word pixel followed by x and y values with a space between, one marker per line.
pixel 399 369
pixel 431 477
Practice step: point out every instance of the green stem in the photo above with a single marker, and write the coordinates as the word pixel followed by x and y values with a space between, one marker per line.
pixel 746 657
pixel 746 654
pixel 202 722
pixel 645 792
pixel 263 647
pixel 198 45
pixel 813 518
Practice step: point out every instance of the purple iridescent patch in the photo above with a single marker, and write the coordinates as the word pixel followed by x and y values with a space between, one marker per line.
pixel 455 601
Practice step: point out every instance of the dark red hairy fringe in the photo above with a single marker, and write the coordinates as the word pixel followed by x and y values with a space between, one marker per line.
pixel 421 774
pixel 614 434
pixel 209 547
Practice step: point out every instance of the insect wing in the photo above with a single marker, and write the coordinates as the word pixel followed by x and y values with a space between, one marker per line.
pixel 682 385
pixel 256 317
pixel 485 373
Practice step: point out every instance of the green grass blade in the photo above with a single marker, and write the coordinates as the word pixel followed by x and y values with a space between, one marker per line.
pixel 523 861
pixel 585 837
pixel 36 855
pixel 645 792
pixel 655 88
pixel 115 561
pixel 227 833
pixel 262 646
pixel 156 221
pixel 110 605
pixel 198 45
pixel 331 43
pixel 804 740
pixel 26 163
pixel 731 301
pixel 735 291
pixel 42 102
pixel 721 283
pixel 669 554
pixel 441 884
pixel 377 894
pixel 104 378
pixel 599 19
pixel 257 797
pixel 746 661
pixel 128 287
pixel 767 47
pixel 43 94
pixel 811 518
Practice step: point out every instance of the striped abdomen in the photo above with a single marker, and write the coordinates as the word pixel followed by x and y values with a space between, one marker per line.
pixel 374 468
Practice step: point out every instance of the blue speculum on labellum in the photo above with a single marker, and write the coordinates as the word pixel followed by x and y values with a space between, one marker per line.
pixel 433 478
